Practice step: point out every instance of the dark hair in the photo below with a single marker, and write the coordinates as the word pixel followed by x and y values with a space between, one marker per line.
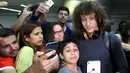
pixel 86 8
pixel 63 8
pixel 63 43
pixel 49 36
pixel 124 28
pixel 123 25
pixel 61 46
pixel 5 32
pixel 26 29
pixel 107 26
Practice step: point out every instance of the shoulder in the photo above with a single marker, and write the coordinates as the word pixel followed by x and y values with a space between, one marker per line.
pixel 25 52
pixel 79 70
pixel 68 29
pixel 114 38
pixel 64 70
pixel 26 49
pixel 6 63
pixel 9 70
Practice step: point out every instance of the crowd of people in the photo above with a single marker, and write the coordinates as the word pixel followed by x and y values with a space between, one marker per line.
pixel 33 45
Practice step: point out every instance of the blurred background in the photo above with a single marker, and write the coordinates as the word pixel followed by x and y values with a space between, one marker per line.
pixel 117 10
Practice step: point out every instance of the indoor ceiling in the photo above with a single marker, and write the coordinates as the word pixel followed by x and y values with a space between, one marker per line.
pixel 15 4
pixel 113 6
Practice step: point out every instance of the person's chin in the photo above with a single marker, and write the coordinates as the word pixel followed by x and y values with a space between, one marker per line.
pixel 14 55
pixel 90 31
pixel 63 22
pixel 39 44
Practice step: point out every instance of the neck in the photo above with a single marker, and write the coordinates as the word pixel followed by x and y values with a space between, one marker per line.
pixel 62 24
pixel 34 48
pixel 72 67
pixel 87 35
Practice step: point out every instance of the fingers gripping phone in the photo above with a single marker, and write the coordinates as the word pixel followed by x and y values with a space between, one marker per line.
pixel 49 3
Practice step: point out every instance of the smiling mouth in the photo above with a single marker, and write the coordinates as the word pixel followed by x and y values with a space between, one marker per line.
pixel 14 53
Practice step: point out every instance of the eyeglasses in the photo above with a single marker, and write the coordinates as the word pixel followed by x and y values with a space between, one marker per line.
pixel 57 32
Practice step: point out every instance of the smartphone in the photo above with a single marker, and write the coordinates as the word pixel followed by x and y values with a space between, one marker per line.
pixel 48 50
pixel 49 3
pixel 94 66
pixel 52 45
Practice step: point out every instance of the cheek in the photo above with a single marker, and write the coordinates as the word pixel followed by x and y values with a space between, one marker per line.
pixel 66 17
pixel 17 45
pixel 77 53
pixel 6 52
pixel 55 36
pixel 66 55
pixel 95 23
pixel 83 24
pixel 59 16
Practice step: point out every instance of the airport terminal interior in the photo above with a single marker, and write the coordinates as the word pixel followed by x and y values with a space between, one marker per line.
pixel 117 10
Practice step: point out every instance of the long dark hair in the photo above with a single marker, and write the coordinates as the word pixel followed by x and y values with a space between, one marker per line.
pixel 86 8
pixel 26 29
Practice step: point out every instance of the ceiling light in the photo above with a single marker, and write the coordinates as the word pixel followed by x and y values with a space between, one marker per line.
pixel 14 10
pixel 23 5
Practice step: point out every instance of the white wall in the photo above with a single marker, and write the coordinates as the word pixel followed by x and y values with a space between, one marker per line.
pixel 7 20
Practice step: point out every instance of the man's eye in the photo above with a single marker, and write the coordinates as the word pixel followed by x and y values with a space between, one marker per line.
pixel 5 46
pixel 66 14
pixel 61 13
pixel 15 42
pixel 83 19
pixel 92 18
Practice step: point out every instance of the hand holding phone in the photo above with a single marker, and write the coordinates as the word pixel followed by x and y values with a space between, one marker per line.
pixel 49 50
pixel 49 3
pixel 44 7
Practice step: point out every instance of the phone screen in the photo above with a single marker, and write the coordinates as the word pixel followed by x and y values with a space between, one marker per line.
pixel 49 3
pixel 52 45
pixel 93 66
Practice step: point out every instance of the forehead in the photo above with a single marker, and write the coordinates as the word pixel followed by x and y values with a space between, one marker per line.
pixel 70 44
pixel 57 27
pixel 7 40
pixel 63 11
pixel 88 15
pixel 37 29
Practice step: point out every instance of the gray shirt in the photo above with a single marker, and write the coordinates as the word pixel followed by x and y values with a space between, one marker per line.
pixel 67 70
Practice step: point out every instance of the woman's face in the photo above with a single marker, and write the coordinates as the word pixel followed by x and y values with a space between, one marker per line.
pixel 36 37
pixel 89 22
pixel 58 33
pixel 70 53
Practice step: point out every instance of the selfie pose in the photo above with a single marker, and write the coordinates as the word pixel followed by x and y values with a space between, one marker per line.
pixel 69 55
pixel 31 41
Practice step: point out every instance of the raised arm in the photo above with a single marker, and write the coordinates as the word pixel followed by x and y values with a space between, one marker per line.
pixel 40 12
pixel 22 17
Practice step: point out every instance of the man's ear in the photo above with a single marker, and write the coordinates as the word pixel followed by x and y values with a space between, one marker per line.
pixel 61 56
pixel 26 38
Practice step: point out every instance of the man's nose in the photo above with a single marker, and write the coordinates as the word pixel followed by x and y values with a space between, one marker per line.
pixel 87 22
pixel 12 47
